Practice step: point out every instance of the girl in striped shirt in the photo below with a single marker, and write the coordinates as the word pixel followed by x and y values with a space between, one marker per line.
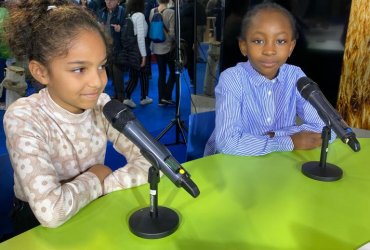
pixel 257 101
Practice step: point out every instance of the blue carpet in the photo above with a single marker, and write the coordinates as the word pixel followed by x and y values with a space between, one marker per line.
pixel 155 119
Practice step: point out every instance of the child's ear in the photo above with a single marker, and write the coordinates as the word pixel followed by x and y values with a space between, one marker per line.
pixel 39 72
pixel 243 47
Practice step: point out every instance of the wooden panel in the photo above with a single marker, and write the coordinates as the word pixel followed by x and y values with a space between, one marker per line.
pixel 354 90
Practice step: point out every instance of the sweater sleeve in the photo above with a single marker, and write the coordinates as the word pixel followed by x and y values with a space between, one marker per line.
pixel 134 173
pixel 52 200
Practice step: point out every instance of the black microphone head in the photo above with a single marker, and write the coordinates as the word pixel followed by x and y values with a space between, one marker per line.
pixel 354 144
pixel 118 113
pixel 306 86
pixel 190 187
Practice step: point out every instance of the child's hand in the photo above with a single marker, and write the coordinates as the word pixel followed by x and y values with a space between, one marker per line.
pixel 101 171
pixel 306 140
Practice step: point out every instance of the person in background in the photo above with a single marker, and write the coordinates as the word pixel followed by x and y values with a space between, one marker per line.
pixel 164 54
pixel 57 138
pixel 149 5
pixel 100 4
pixel 135 10
pixel 89 4
pixel 257 101
pixel 111 18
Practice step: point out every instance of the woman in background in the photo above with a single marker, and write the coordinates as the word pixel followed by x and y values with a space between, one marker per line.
pixel 141 70
pixel 163 53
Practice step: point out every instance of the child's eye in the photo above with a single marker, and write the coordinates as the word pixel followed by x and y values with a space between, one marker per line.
pixel 78 70
pixel 103 66
pixel 257 41
pixel 281 41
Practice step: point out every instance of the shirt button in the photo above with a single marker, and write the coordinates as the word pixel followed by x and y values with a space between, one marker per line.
pixel 268 119
pixel 269 93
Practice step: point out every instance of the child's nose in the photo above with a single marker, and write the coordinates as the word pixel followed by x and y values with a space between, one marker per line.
pixel 97 79
pixel 269 48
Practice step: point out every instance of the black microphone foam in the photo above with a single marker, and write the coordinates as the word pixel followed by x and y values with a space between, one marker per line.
pixel 306 86
pixel 115 112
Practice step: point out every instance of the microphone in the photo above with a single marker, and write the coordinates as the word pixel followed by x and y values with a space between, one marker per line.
pixel 122 119
pixel 312 93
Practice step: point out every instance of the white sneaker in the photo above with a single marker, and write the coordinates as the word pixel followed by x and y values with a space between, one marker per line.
pixel 129 103
pixel 146 101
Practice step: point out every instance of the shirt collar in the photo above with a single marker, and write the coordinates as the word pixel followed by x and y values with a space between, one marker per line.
pixel 258 79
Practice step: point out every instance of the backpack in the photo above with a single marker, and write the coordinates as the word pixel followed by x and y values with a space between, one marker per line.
pixel 157 28
pixel 127 32
pixel 130 55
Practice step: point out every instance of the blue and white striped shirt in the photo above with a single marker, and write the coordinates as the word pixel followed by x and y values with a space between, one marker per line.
pixel 248 106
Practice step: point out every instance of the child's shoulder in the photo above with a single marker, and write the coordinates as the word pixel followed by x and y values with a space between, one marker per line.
pixel 238 68
pixel 290 67
pixel 289 70
pixel 24 109
pixel 235 79
pixel 239 71
pixel 28 103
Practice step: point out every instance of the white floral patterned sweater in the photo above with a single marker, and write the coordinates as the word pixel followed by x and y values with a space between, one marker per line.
pixel 51 149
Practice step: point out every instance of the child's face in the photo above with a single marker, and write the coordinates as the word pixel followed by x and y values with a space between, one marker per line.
pixel 76 80
pixel 268 42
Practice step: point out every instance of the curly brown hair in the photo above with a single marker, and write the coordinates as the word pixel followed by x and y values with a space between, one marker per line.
pixel 41 30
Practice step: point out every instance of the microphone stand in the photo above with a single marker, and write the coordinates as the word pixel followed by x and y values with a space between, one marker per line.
pixel 153 222
pixel 323 171
pixel 180 125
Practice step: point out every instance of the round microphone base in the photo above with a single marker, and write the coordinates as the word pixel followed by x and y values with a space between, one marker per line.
pixel 314 171
pixel 145 226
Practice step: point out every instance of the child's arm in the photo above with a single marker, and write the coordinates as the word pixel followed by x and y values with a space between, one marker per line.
pixel 230 139
pixel 52 198
pixel 101 171
pixel 309 120
pixel 231 134
pixel 134 173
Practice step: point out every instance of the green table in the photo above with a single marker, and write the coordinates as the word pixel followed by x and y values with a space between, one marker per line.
pixel 259 203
